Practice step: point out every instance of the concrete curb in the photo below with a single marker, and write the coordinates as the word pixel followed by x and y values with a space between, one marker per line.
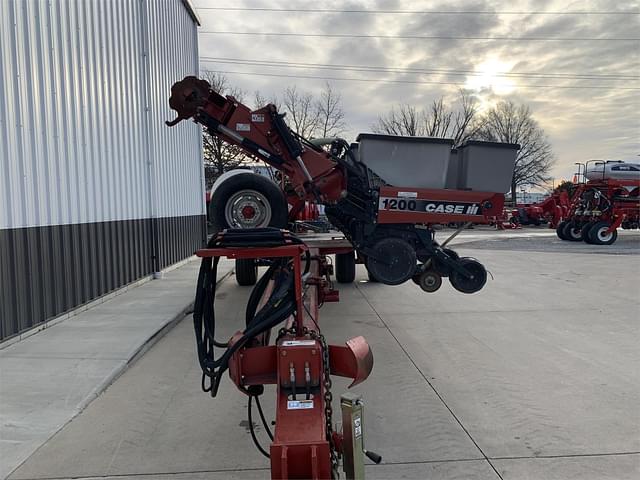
pixel 136 354
pixel 91 304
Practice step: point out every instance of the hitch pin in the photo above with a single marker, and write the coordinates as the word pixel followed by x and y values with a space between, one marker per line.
pixel 292 379
pixel 307 379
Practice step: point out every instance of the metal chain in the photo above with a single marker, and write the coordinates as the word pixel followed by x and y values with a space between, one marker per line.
pixel 328 400
pixel 285 331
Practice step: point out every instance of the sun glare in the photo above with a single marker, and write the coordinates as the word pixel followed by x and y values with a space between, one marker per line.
pixel 488 77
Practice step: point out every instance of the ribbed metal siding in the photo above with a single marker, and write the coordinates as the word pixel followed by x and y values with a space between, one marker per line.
pixel 176 152
pixel 81 110
pixel 75 133
pixel 72 112
pixel 45 271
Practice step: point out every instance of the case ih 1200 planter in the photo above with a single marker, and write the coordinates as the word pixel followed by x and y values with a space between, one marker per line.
pixel 383 193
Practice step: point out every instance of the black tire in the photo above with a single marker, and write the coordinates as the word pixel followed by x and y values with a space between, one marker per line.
pixel 586 229
pixel 345 267
pixel 560 230
pixel 597 234
pixel 573 232
pixel 399 263
pixel 370 276
pixel 469 285
pixel 246 272
pixel 430 281
pixel 266 191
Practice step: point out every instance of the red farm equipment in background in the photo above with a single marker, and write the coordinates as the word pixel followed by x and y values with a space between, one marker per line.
pixel 606 199
pixel 551 210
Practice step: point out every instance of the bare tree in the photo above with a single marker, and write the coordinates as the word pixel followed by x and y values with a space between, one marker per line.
pixel 511 123
pixel 403 121
pixel 437 120
pixel 302 114
pixel 309 116
pixel 260 101
pixel 459 122
pixel 330 113
pixel 467 121
pixel 220 156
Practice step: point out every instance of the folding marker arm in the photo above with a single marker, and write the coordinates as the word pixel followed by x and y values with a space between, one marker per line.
pixel 262 134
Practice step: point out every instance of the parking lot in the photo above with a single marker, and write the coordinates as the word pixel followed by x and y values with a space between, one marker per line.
pixel 535 377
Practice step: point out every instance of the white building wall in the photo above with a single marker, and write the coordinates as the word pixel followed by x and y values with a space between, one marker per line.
pixel 95 191
pixel 76 136
pixel 173 149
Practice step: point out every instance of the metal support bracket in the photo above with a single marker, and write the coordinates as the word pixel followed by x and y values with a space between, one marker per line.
pixel 352 431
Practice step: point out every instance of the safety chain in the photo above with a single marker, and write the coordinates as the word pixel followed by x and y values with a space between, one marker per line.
pixel 328 396
pixel 328 400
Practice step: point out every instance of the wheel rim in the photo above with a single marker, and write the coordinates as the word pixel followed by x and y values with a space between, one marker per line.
pixel 575 232
pixel 247 209
pixel 602 234
pixel 430 282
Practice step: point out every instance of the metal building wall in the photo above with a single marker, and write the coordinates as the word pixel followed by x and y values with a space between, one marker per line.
pixel 175 166
pixel 95 191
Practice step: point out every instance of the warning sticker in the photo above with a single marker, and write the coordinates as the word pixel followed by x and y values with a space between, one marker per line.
pixel 408 194
pixel 299 404
pixel 357 427
pixel 257 117
pixel 243 127
pixel 298 343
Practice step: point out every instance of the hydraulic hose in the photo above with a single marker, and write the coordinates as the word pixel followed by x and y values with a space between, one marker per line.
pixel 280 305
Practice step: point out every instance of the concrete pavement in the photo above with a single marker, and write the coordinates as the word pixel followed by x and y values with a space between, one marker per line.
pixel 47 378
pixel 541 240
pixel 535 377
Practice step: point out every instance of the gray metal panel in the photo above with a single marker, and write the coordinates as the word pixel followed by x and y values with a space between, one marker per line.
pixel 412 162
pixel 180 237
pixel 452 170
pixel 73 122
pixel 84 89
pixel 175 152
pixel 70 112
pixel 46 271
pixel 486 166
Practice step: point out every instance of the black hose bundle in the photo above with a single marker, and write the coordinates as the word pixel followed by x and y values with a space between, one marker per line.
pixel 280 305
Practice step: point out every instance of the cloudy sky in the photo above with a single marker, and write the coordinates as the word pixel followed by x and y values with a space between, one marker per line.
pixel 554 77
